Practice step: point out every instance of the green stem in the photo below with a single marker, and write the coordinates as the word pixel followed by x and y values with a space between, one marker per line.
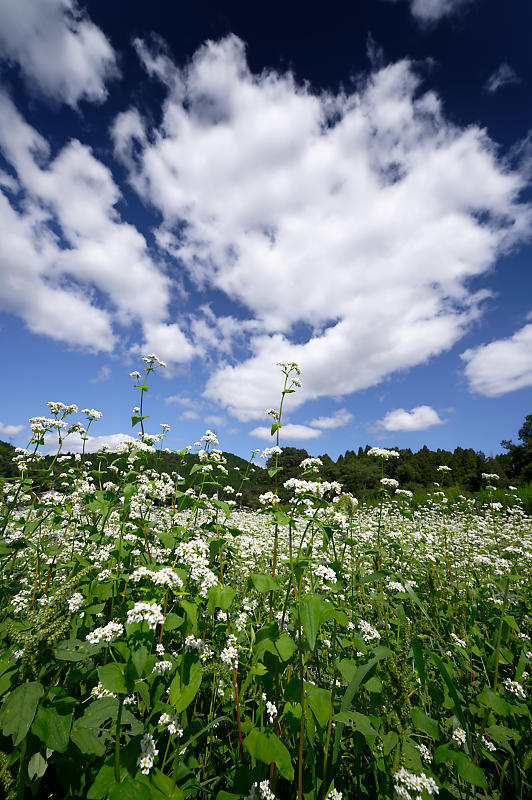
pixel 499 634
pixel 117 740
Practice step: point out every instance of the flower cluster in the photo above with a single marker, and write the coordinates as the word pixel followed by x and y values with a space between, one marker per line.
pixel 75 602
pixel 299 486
pixel 148 753
pixel 163 577
pixel 191 643
pixel 459 736
pixel 261 791
pixel 368 631
pixel 311 463
pixel 406 782
pixel 229 655
pixel 425 753
pixel 171 722
pixel 194 553
pixel 271 708
pixel 325 573
pixel 515 688
pixel 160 667
pixel 380 452
pixel 271 451
pixel 107 633
pixel 268 498
pixel 150 612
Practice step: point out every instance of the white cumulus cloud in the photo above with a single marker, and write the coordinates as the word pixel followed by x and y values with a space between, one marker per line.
pixel 417 419
pixel 10 430
pixel 336 420
pixel 52 284
pixel 428 12
pixel 58 49
pixel 288 433
pixel 501 366
pixel 74 443
pixel 345 215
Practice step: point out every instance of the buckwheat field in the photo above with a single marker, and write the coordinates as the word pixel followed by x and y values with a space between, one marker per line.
pixel 160 642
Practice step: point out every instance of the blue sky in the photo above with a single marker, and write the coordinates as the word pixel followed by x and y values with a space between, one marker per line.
pixel 227 187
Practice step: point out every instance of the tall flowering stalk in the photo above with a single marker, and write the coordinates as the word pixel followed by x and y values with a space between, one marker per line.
pixel 291 374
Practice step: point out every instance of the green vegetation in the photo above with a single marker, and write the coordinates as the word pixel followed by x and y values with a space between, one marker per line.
pixel 158 642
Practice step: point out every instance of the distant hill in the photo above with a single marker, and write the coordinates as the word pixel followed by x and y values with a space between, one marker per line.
pixel 359 473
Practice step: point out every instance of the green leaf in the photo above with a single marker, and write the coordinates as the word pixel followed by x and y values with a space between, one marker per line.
pixel 273 471
pixel 503 735
pixel 498 704
pixel 173 621
pixel 347 668
pixel 130 789
pixel 182 694
pixel 142 688
pixel 87 740
pixel 357 721
pixel 103 782
pixel 263 583
pixel 358 677
pixel 266 747
pixel 139 657
pixel 220 597
pixel 18 710
pixel 389 742
pixel 425 723
pixel 112 678
pixel 452 690
pixel 275 427
pixel 75 650
pixel 52 728
pixel 165 785
pixel 310 615
pixel 269 640
pixel 98 712
pixel 129 491
pixel 320 702
pixel 373 685
pixel 223 505
pixel 285 647
pixel 464 766
pixel 36 766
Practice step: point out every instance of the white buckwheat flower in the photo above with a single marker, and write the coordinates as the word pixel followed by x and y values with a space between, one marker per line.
pixel 150 612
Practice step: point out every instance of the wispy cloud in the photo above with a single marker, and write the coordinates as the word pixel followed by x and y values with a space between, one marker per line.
pixel 104 373
pixel 189 415
pixel 180 400
pixel 216 420
pixel 503 76
pixel 417 419
pixel 501 366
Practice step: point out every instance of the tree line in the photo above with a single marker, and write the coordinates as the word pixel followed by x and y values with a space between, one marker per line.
pixel 358 472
